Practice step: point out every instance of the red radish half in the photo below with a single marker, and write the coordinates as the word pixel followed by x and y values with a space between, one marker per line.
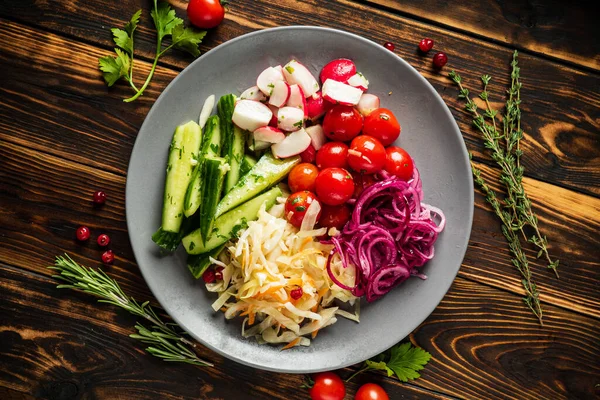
pixel 317 137
pixel 290 118
pixel 297 99
pixel 274 110
pixel 266 80
pixel 339 70
pixel 367 103
pixel 298 74
pixel 268 134
pixel 316 106
pixel 340 93
pixel 294 143
pixel 280 94
pixel 251 115
pixel 253 93
pixel 358 80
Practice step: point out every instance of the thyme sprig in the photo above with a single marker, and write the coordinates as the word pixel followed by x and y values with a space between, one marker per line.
pixel 166 342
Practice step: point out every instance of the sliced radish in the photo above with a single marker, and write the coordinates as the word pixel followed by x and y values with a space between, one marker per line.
pixel 280 94
pixel 339 70
pixel 297 99
pixel 340 93
pixel 274 110
pixel 295 143
pixel 253 93
pixel 367 103
pixel 279 68
pixel 358 80
pixel 317 137
pixel 266 80
pixel 298 74
pixel 268 134
pixel 290 118
pixel 251 115
pixel 316 106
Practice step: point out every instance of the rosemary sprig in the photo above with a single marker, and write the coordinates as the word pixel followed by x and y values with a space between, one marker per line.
pixel 166 342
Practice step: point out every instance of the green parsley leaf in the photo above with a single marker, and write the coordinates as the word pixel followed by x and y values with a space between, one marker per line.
pixel 165 19
pixel 187 39
pixel 124 37
pixel 115 68
pixel 133 22
pixel 405 360
pixel 379 365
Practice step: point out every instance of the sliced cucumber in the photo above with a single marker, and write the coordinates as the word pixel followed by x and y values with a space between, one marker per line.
pixel 247 163
pixel 229 224
pixel 267 172
pixel 213 176
pixel 199 263
pixel 235 158
pixel 225 108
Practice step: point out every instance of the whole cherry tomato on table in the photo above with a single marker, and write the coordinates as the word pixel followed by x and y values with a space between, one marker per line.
pixel 334 216
pixel 334 186
pixel 297 205
pixel 399 163
pixel 303 177
pixel 342 123
pixel 382 125
pixel 206 14
pixel 328 386
pixel 332 155
pixel 366 155
pixel 371 391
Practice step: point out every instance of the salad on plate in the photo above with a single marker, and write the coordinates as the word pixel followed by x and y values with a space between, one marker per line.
pixel 293 202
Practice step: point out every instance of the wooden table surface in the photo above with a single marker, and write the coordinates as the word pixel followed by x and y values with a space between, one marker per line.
pixel 64 134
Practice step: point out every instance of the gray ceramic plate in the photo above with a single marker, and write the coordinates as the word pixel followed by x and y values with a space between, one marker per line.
pixel 429 133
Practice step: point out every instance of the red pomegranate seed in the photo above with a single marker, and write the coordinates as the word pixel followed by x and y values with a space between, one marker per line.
pixel 82 233
pixel 219 273
pixel 103 240
pixel 108 257
pixel 209 276
pixel 390 46
pixel 296 293
pixel 425 45
pixel 99 197
pixel 440 59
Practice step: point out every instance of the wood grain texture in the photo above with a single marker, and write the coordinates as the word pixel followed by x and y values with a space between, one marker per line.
pixel 561 104
pixel 553 28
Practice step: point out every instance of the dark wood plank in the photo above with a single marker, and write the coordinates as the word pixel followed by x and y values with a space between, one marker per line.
pixel 552 27
pixel 483 342
pixel 560 103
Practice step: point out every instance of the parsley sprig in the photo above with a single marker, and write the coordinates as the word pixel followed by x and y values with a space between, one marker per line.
pixel 402 360
pixel 167 24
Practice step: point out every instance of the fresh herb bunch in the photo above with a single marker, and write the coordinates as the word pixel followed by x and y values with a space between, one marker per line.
pixel 166 341
pixel 403 360
pixel 167 24
pixel 514 210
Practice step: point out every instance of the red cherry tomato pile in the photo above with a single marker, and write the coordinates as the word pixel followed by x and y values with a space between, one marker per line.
pixel 329 386
pixel 358 147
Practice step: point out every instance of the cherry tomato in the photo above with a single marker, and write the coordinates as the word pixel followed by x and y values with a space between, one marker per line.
pixel 296 206
pixel 371 391
pixel 366 155
pixel 399 163
pixel 308 155
pixel 334 216
pixel 328 386
pixel 361 182
pixel 342 123
pixel 334 186
pixel 382 125
pixel 333 154
pixel 205 14
pixel 302 177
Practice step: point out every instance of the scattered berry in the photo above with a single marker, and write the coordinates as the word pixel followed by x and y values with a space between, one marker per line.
pixel 99 197
pixel 440 59
pixel 108 257
pixel 209 276
pixel 296 293
pixel 219 273
pixel 390 46
pixel 82 233
pixel 425 45
pixel 103 240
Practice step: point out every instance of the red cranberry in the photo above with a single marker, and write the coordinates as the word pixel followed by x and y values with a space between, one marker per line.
pixel 219 273
pixel 108 257
pixel 440 59
pixel 82 233
pixel 103 240
pixel 296 293
pixel 425 45
pixel 99 197
pixel 390 46
pixel 209 276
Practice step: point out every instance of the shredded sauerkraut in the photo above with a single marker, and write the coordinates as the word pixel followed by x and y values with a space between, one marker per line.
pixel 261 268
